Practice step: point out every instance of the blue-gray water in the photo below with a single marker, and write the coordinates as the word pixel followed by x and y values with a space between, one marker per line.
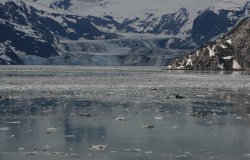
pixel 55 112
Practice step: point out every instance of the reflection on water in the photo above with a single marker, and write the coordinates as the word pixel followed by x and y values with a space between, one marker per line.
pixel 205 124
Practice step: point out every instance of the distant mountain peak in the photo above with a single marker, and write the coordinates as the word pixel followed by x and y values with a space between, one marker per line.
pixel 230 5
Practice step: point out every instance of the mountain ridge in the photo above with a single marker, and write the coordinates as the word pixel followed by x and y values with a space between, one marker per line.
pixel 40 31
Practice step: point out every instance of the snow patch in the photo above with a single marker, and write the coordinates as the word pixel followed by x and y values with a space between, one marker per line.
pixel 6 58
pixel 230 5
pixel 228 57
pixel 3 56
pixel 197 53
pixel 110 29
pixel 211 52
pixel 189 61
pixel 26 29
pixel 236 65
pixel 229 41
pixel 222 46
pixel 221 66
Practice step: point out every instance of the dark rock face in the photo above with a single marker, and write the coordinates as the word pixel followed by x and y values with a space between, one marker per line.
pixel 9 58
pixel 171 23
pixel 168 24
pixel 63 4
pixel 22 28
pixel 210 24
pixel 241 44
pixel 231 52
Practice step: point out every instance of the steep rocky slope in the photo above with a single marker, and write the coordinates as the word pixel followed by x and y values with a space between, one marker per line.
pixel 231 52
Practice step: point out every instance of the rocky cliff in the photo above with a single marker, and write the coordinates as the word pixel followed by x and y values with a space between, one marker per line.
pixel 230 52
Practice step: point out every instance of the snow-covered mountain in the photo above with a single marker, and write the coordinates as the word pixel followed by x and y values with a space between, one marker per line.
pixel 111 32
pixel 231 52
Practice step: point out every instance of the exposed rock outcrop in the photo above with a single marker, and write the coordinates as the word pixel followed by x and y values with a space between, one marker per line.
pixel 231 52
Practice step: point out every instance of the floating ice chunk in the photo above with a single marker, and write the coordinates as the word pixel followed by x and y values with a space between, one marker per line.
pixel 70 136
pixel 209 122
pixel 50 130
pixel 133 150
pixel 174 127
pixel 239 117
pixel 121 119
pixel 181 156
pixel 98 147
pixel 56 153
pixel 20 149
pixel 159 118
pixel 149 152
pixel 246 155
pixel 4 129
pixel 200 95
pixel 46 148
pixel 14 122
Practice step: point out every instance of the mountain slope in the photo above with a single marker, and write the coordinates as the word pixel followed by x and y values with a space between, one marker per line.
pixel 219 18
pixel 149 33
pixel 231 52
pixel 30 31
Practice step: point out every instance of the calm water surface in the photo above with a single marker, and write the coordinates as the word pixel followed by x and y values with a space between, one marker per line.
pixel 137 113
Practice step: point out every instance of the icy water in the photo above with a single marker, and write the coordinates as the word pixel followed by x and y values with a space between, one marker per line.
pixel 132 113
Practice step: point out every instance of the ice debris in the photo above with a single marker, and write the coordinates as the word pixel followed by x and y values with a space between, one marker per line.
pixel 98 147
